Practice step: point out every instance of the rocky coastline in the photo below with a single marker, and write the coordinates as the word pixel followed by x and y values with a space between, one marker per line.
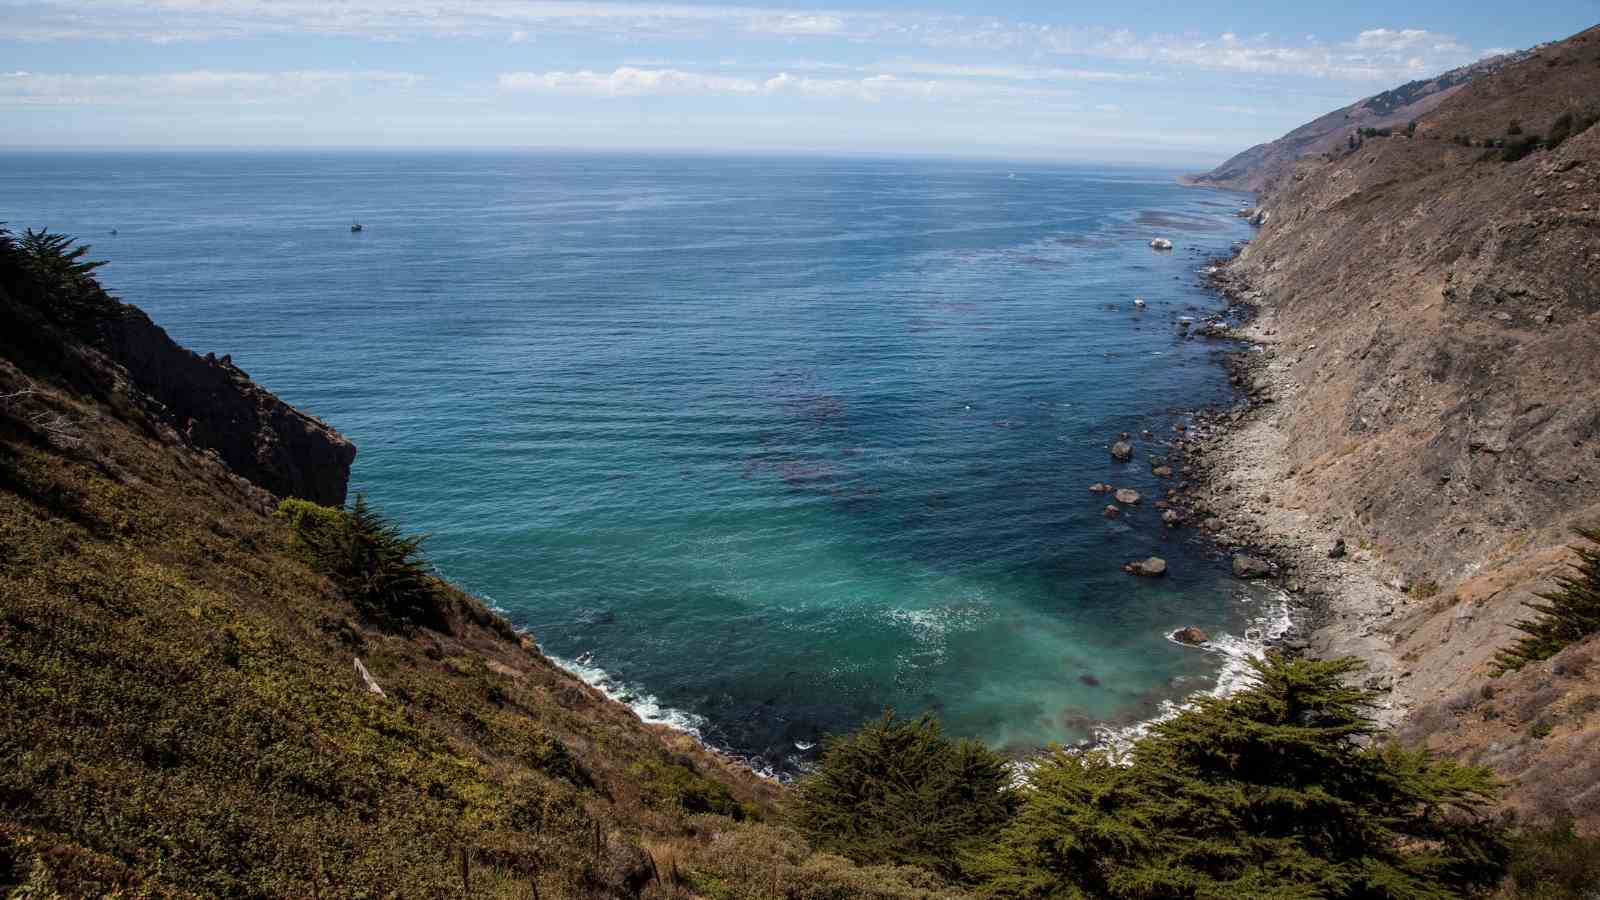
pixel 1235 464
pixel 1232 467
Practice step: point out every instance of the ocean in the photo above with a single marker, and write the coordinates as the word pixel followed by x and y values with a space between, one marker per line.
pixel 761 446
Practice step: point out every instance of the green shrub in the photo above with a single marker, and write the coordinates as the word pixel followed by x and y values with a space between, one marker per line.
pixel 1568 614
pixel 313 523
pixel 1554 863
pixel 1517 148
pixel 1272 793
pixel 673 785
pixel 1424 590
pixel 375 566
pixel 898 792
pixel 549 755
pixel 1568 124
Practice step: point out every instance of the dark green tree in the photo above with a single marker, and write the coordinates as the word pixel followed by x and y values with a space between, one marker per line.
pixel 1554 863
pixel 1273 793
pixel 56 259
pixel 1567 615
pixel 374 564
pixel 899 792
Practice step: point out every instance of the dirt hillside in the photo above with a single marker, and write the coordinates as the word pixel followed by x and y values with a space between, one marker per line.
pixel 1429 333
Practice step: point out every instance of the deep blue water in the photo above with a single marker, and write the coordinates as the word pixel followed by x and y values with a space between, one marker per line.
pixel 764 445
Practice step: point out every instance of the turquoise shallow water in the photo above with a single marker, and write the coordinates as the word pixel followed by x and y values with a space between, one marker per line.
pixel 760 445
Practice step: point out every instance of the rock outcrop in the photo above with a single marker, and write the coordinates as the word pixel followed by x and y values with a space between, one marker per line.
pixel 1250 567
pixel 215 406
pixel 114 352
pixel 1154 567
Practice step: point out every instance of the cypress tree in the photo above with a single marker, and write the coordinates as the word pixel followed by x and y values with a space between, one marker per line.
pixel 1273 793
pixel 899 792
pixel 1569 614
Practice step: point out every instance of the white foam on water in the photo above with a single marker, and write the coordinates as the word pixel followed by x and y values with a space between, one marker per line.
pixel 644 705
pixel 1236 651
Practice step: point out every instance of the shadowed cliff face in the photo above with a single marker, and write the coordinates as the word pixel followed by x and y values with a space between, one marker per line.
pixel 1435 303
pixel 216 406
pixel 66 329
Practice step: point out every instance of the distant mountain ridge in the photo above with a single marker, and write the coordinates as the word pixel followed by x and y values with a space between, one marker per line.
pixel 1260 168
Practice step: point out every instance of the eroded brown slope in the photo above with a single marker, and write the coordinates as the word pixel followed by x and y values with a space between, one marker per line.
pixel 1262 167
pixel 1434 316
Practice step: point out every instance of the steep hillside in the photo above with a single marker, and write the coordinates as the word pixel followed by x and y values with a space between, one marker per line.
pixel 202 402
pixel 1261 167
pixel 1430 325
pixel 185 704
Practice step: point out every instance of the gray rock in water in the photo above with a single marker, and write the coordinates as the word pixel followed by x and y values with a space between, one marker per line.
pixel 1122 451
pixel 1250 567
pixel 1212 524
pixel 1153 567
pixel 1172 518
pixel 1190 635
pixel 1100 487
pixel 1127 495
pixel 1111 511
pixel 1162 471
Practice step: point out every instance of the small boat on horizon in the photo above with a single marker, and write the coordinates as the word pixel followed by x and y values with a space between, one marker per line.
pixel 356 226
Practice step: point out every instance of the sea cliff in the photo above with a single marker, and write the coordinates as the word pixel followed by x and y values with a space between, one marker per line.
pixel 114 352
pixel 1424 360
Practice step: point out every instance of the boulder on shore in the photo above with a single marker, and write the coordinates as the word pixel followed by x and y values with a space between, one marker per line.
pixel 1127 495
pixel 1250 567
pixel 1153 567
pixel 1122 451
pixel 1190 635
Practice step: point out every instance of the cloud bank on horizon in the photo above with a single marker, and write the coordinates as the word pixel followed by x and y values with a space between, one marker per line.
pixel 619 75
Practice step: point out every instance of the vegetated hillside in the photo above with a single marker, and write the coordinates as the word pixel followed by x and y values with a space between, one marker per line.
pixel 1432 303
pixel 1261 167
pixel 182 713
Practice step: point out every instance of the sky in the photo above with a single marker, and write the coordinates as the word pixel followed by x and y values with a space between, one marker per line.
pixel 1130 81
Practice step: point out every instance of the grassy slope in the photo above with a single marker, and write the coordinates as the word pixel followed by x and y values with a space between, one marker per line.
pixel 180 714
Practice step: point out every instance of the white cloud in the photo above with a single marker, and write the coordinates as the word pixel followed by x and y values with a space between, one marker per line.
pixel 71 89
pixel 1011 72
pixel 630 81
pixel 627 81
pixel 1375 55
pixel 1372 55
pixel 802 24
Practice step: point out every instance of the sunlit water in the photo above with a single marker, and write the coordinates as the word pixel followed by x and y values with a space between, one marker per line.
pixel 761 445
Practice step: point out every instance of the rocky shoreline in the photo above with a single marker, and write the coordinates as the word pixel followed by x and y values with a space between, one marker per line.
pixel 1237 471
